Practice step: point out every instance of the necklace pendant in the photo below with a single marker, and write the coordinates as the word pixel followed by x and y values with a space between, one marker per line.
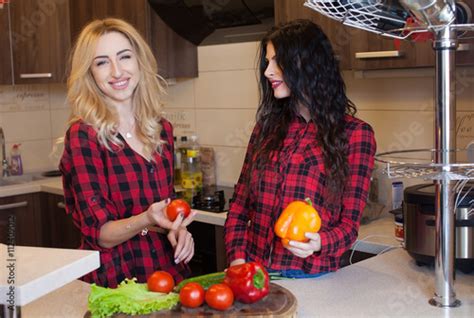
pixel 128 135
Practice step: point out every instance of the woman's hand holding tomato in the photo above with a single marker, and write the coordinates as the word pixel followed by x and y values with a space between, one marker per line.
pixel 192 295
pixel 219 296
pixel 177 207
pixel 160 282
pixel 158 216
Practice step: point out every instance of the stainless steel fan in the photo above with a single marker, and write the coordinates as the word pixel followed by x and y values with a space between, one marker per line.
pixel 448 20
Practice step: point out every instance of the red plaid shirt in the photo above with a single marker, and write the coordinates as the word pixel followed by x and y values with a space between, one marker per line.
pixel 101 186
pixel 297 172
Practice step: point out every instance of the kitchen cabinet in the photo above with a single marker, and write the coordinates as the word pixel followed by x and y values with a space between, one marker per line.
pixel 59 230
pixel 371 51
pixel 209 250
pixel 39 43
pixel 339 34
pixel 176 56
pixel 20 222
pixel 366 46
pixel 5 53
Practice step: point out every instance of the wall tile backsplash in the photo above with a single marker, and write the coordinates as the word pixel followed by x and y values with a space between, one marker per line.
pixel 220 105
pixel 27 118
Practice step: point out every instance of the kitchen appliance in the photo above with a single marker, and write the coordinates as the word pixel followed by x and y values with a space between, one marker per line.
pixel 205 22
pixel 419 225
pixel 213 199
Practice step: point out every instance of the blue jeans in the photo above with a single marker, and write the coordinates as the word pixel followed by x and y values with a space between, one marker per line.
pixel 295 273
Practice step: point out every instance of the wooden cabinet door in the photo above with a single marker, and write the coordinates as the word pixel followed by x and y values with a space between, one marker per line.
pixel 19 220
pixel 411 54
pixel 5 52
pixel 135 12
pixel 371 51
pixel 58 228
pixel 339 34
pixel 176 56
pixel 40 40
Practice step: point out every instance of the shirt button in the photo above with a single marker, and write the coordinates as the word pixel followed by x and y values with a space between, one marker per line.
pixel 153 252
pixel 152 170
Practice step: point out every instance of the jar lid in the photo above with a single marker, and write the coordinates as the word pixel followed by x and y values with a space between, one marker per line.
pixel 399 218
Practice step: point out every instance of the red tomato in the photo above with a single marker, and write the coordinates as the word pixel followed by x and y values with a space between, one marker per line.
pixel 161 282
pixel 176 207
pixel 219 296
pixel 191 295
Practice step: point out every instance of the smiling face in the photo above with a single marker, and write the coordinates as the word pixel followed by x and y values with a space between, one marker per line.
pixel 274 74
pixel 115 68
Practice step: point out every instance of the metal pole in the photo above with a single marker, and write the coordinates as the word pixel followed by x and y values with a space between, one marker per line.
pixel 445 140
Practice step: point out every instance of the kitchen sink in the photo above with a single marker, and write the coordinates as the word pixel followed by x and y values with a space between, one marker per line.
pixel 25 178
pixel 4 182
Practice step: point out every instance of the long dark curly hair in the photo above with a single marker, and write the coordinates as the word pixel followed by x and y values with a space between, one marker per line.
pixel 311 72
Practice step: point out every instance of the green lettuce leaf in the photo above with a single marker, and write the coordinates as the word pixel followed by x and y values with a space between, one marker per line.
pixel 129 298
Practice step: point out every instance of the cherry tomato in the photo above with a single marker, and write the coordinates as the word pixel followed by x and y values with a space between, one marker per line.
pixel 219 296
pixel 161 282
pixel 191 295
pixel 176 207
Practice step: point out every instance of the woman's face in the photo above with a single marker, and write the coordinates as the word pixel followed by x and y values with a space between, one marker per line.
pixel 115 68
pixel 274 74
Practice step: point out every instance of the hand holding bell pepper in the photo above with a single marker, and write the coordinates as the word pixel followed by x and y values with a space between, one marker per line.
pixel 296 219
pixel 249 282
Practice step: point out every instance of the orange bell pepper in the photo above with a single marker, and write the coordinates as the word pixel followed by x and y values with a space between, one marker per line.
pixel 296 219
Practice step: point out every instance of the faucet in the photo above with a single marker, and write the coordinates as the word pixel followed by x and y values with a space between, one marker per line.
pixel 5 165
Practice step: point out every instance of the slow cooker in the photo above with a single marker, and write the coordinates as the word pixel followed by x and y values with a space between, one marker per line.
pixel 419 226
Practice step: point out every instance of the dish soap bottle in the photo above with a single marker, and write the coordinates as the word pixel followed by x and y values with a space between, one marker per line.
pixel 16 164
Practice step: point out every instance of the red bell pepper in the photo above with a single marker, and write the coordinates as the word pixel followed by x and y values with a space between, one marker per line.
pixel 249 282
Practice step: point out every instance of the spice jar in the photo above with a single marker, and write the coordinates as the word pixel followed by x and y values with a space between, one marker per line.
pixel 399 230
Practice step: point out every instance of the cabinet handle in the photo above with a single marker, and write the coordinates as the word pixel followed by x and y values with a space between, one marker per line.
pixel 61 205
pixel 463 47
pixel 378 54
pixel 13 205
pixel 36 75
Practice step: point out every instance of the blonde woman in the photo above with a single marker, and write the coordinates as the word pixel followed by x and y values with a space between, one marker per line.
pixel 117 164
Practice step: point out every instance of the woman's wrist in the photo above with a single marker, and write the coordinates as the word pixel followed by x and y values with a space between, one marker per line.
pixel 149 216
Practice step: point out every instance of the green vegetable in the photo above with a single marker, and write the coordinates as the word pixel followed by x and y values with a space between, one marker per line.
pixel 128 298
pixel 205 281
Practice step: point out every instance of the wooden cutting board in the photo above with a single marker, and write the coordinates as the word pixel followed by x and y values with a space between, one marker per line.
pixel 280 302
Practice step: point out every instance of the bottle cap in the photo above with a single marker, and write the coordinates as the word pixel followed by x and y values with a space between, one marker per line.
pixel 191 153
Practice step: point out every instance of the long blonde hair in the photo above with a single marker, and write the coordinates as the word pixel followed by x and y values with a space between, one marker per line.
pixel 87 100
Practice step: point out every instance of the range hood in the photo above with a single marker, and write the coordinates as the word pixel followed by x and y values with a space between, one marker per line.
pixel 205 22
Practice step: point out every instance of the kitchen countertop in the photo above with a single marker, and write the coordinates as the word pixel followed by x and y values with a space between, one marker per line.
pixel 374 237
pixel 388 285
pixel 36 271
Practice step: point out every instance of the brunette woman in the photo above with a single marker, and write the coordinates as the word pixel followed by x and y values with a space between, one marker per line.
pixel 306 144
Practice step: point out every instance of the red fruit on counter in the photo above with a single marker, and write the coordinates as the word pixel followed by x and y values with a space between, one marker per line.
pixel 160 282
